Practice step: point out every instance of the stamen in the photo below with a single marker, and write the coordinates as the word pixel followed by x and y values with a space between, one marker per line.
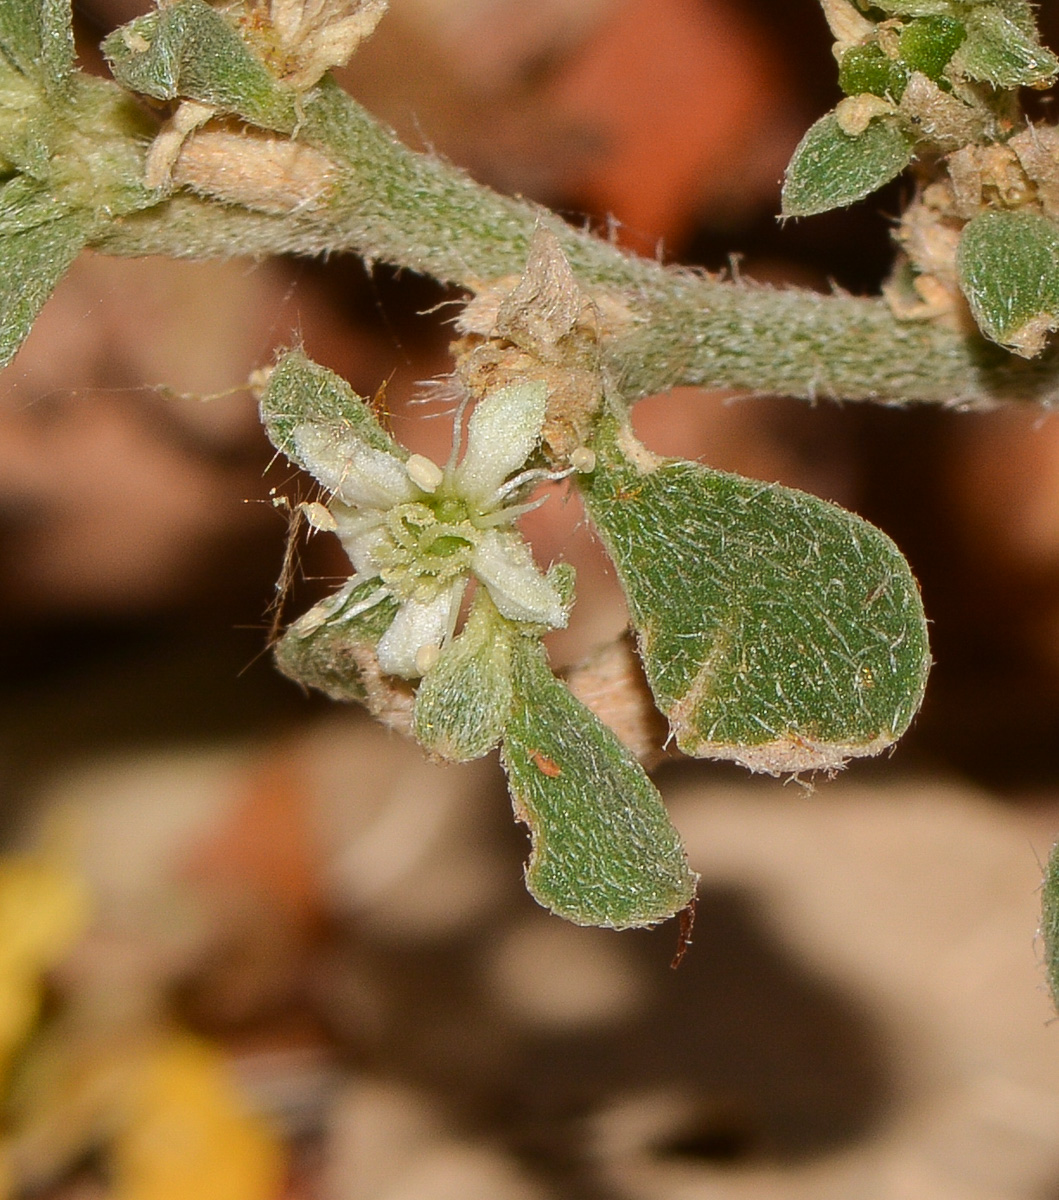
pixel 504 516
pixel 533 475
pixel 426 657
pixel 426 475
pixel 583 460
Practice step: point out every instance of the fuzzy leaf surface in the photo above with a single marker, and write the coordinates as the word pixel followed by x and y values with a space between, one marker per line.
pixel 334 656
pixel 1001 51
pixel 37 247
pixel 776 629
pixel 604 851
pixel 830 169
pixel 464 701
pixel 37 37
pixel 300 392
pixel 1008 268
pixel 188 50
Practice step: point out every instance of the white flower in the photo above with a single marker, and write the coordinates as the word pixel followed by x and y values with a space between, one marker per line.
pixel 422 531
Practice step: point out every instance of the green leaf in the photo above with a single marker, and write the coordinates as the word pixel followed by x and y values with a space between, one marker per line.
pixel 300 392
pixel 37 36
pixel 1008 268
pixel 867 69
pixel 38 242
pixel 604 851
pixel 464 700
pixel 927 44
pixel 1000 51
pixel 189 50
pixel 830 168
pixel 334 653
pixel 776 629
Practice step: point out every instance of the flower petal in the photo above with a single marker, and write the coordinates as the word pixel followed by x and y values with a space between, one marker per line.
pixel 357 473
pixel 418 624
pixel 519 589
pixel 503 431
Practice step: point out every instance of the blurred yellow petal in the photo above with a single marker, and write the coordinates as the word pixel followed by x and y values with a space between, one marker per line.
pixel 189 1135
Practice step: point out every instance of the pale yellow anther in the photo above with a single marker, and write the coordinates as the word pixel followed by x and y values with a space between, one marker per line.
pixel 426 657
pixel 583 460
pixel 424 473
pixel 319 516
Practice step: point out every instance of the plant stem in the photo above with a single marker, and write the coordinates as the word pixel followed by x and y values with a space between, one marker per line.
pixel 386 202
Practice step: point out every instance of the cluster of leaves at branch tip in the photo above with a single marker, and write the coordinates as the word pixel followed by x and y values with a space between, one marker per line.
pixel 936 80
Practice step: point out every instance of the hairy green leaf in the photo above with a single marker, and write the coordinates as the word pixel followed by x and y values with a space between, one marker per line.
pixel 301 392
pixel 1008 266
pixel 189 50
pixel 867 69
pixel 604 851
pixel 928 43
pixel 464 700
pixel 830 168
pixel 37 37
pixel 38 242
pixel 776 629
pixel 1001 51
pixel 332 652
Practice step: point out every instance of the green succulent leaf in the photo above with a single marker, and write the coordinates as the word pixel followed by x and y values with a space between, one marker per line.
pixel 927 44
pixel 1000 50
pixel 464 701
pixel 328 650
pixel 604 851
pixel 776 629
pixel 189 50
pixel 39 240
pixel 37 37
pixel 300 392
pixel 1008 267
pixel 867 69
pixel 831 169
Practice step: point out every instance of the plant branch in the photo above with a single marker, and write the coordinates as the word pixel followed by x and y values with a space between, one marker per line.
pixel 662 327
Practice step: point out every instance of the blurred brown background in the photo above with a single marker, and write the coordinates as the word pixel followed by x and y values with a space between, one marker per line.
pixel 340 927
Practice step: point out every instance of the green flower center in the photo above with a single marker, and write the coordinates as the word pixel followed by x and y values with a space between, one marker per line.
pixel 424 553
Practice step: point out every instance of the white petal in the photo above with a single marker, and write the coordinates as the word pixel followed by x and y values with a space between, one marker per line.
pixel 520 591
pixel 357 473
pixel 360 531
pixel 416 625
pixel 502 433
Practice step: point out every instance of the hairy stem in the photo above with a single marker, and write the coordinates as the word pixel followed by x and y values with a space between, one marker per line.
pixel 663 327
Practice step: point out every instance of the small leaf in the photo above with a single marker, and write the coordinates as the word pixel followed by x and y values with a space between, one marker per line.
pixel 1008 267
pixel 867 69
pixel 1000 51
pixel 300 392
pixel 776 629
pixel 604 851
pixel 830 168
pixel 928 44
pixel 32 261
pixel 37 36
pixel 332 652
pixel 464 700
pixel 189 50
